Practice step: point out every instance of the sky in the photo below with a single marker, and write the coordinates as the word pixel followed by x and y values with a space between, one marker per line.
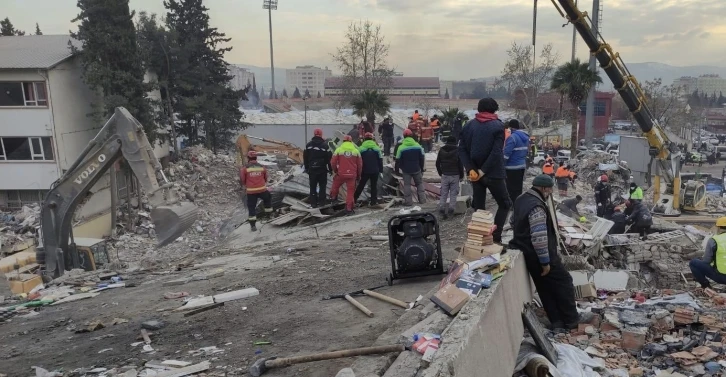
pixel 451 39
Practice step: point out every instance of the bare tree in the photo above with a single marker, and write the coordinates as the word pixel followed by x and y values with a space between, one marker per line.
pixel 665 102
pixel 526 80
pixel 362 60
pixel 426 104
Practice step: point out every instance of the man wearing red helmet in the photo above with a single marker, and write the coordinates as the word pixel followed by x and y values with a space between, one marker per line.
pixel 253 177
pixel 347 166
pixel 316 160
pixel 602 195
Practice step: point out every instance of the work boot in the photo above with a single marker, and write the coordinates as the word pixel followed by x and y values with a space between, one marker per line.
pixel 585 317
pixel 450 212
pixel 442 212
pixel 253 226
pixel 314 205
pixel 349 213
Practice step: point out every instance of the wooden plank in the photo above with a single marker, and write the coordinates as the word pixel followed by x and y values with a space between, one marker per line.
pixel 181 372
pixel 145 335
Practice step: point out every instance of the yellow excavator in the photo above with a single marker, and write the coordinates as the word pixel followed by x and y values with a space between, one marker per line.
pixel 273 147
pixel 667 156
pixel 121 136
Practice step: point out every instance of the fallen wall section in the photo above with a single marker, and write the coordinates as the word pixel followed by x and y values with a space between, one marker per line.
pixel 485 336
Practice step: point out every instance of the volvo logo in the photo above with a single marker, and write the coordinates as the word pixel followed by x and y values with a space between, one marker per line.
pixel 90 169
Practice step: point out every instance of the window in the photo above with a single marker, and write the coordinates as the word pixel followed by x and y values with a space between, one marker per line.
pixel 599 108
pixel 30 94
pixel 16 199
pixel 26 149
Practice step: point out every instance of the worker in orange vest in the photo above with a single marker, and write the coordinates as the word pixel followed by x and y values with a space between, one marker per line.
pixel 416 115
pixel 548 168
pixel 562 176
pixel 435 126
pixel 413 125
pixel 427 134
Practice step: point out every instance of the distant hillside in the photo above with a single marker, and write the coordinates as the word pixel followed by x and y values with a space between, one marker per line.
pixel 263 76
pixel 649 71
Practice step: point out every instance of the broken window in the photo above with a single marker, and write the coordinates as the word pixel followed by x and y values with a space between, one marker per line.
pixel 26 149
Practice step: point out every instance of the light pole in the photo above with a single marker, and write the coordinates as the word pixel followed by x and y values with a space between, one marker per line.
pixel 305 101
pixel 271 5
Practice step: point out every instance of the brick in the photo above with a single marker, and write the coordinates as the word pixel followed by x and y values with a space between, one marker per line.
pixel 607 326
pixel 635 372
pixel 684 316
pixel 633 339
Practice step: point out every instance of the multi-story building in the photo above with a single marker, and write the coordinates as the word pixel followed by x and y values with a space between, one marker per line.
pixel 687 84
pixel 307 77
pixel 710 84
pixel 401 87
pixel 241 77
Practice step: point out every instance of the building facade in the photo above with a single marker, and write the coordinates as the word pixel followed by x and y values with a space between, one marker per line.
pixel 307 77
pixel 401 87
pixel 710 84
pixel 687 84
pixel 241 77
pixel 603 111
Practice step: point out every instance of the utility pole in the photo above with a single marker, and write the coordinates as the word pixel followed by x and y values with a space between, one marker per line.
pixel 534 56
pixel 271 5
pixel 590 109
pixel 574 40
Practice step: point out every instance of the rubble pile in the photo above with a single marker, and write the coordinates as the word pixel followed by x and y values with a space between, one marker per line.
pixel 715 203
pixel 589 165
pixel 646 333
pixel 18 227
pixel 667 261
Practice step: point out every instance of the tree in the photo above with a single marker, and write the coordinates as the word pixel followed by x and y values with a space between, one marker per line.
pixel 7 29
pixel 320 95
pixel 449 115
pixel 664 101
pixel 528 81
pixel 446 95
pixel 37 29
pixel 111 61
pixel 369 103
pixel 362 60
pixel 296 93
pixel 573 81
pixel 199 76
pixel 284 93
pixel 262 92
pixel 426 104
pixel 307 93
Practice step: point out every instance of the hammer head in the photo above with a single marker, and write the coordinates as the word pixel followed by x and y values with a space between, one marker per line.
pixel 258 368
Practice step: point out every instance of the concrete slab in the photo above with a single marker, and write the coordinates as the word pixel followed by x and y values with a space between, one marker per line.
pixel 611 280
pixel 247 261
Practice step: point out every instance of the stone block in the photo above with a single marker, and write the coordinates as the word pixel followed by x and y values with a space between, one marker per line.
pixel 633 339
pixel 462 204
pixel 434 323
pixel 406 365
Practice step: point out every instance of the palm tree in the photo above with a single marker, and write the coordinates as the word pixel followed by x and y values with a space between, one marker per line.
pixel 369 103
pixel 573 81
pixel 448 115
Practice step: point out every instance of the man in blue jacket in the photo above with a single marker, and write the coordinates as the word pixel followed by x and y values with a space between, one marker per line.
pixel 372 158
pixel 481 148
pixel 516 148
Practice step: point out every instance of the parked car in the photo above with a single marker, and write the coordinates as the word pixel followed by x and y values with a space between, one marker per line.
pixel 562 156
pixel 539 158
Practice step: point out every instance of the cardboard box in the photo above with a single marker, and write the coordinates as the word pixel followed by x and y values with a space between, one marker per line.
pixel 23 283
pixel 450 299
pixel 585 291
pixel 469 253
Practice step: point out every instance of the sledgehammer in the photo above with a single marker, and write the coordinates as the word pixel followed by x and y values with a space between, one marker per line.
pixel 262 365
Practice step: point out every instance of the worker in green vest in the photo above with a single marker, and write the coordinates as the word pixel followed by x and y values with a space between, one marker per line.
pixel 636 193
pixel 713 264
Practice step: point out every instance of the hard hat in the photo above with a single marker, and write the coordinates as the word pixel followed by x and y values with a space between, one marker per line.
pixel 347 138
pixel 604 178
pixel 368 135
pixel 583 219
pixel 252 155
pixel 721 222
pixel 407 133
pixel 318 132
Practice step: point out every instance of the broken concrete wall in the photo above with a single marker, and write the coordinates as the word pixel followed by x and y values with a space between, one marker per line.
pixel 484 338
pixel 667 262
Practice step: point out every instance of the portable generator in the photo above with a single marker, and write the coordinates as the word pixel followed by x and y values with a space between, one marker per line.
pixel 415 246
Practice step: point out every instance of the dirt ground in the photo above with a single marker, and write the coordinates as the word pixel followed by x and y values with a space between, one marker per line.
pixel 289 311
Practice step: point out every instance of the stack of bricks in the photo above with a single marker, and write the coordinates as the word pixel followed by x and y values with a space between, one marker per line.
pixel 479 239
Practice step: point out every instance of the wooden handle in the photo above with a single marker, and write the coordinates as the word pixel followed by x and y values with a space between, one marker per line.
pixel 281 362
pixel 385 298
pixel 359 305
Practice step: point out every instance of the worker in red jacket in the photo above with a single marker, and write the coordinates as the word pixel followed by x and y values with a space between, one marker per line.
pixel 347 167
pixel 253 177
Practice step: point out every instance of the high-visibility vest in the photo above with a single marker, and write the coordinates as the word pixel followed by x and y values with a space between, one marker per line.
pixel 562 172
pixel 720 258
pixel 416 116
pixel 637 194
pixel 548 169
pixel 434 124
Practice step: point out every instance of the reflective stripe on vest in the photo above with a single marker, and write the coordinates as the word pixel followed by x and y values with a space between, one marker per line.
pixel 720 258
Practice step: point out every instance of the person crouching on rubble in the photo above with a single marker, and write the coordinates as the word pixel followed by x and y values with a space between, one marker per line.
pixel 640 217
pixel 535 236
pixel 619 220
pixel 713 264
pixel 253 177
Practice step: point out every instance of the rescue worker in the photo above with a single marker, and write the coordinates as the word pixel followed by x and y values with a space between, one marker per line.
pixel 386 132
pixel 516 148
pixel 316 160
pixel 413 125
pixel 481 150
pixel 636 193
pixel 372 159
pixel 640 217
pixel 410 161
pixel 602 195
pixel 253 177
pixel 563 179
pixel 535 236
pixel 619 220
pixel 548 168
pixel 398 145
pixel 415 115
pixel 713 264
pixel 347 167
pixel 457 126
pixel 435 125
pixel 427 135
pixel 569 208
pixel 449 167
pixel 363 128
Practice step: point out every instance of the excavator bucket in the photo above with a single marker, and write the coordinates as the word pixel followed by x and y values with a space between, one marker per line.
pixel 173 220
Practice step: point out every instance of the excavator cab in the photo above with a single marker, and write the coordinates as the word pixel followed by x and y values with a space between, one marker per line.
pixel 694 196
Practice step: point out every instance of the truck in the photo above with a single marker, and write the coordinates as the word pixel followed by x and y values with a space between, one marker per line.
pixel 121 137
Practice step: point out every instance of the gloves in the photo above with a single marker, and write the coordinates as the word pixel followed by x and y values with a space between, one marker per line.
pixel 475 175
pixel 583 219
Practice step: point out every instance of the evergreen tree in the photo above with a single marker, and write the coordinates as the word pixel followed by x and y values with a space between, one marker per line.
pixel 319 95
pixel 273 94
pixel 7 29
pixel 296 93
pixel 37 29
pixel 199 76
pixel 262 92
pixel 307 93
pixel 721 99
pixel 446 95
pixel 111 61
pixel 284 93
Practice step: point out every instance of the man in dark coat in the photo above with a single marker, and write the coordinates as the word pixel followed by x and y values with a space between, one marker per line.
pixel 370 153
pixel 386 132
pixel 316 160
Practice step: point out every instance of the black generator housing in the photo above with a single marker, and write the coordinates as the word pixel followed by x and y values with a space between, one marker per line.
pixel 415 246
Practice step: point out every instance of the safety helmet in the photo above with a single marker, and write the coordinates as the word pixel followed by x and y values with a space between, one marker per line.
pixel 407 132
pixel 252 155
pixel 368 136
pixel 347 138
pixel 318 132
pixel 721 222
pixel 604 178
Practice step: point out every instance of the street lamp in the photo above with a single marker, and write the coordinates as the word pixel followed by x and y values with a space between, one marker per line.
pixel 271 5
pixel 305 101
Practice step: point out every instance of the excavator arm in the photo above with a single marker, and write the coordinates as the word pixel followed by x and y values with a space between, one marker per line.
pixel 632 94
pixel 122 136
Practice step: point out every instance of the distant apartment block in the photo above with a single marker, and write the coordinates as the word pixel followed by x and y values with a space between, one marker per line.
pixel 687 84
pixel 710 84
pixel 241 77
pixel 307 77
pixel 401 87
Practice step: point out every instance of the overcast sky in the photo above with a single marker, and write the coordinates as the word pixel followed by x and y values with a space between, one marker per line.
pixel 452 39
